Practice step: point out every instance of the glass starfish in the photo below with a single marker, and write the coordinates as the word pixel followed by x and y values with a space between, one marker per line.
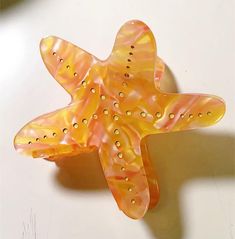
pixel 115 104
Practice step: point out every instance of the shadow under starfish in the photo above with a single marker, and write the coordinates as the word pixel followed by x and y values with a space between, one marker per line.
pixel 178 159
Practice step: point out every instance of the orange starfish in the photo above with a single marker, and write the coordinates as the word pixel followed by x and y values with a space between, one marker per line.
pixel 115 104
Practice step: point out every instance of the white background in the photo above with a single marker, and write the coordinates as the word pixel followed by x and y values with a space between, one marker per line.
pixel 196 38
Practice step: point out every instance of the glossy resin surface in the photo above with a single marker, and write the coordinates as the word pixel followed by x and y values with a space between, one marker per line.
pixel 115 104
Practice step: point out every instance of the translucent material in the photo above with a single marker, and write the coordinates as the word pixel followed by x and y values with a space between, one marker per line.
pixel 115 104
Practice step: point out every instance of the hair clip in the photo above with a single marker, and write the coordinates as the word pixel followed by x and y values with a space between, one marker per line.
pixel 115 104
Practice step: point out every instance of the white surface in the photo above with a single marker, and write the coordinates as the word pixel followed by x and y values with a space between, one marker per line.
pixel 196 169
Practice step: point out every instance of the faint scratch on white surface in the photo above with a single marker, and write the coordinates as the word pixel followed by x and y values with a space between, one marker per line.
pixel 29 228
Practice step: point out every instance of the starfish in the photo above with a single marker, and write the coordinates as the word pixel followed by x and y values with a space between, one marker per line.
pixel 115 104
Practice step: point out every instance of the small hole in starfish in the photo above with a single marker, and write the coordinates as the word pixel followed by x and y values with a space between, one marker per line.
pixel 37 139
pixel 190 116
pixel 54 134
pixel 121 94
pixel 123 169
pixel 182 116
pixel 75 125
pixel 65 130
pixel 130 189
pixel 128 112
pixel 105 111
pixel 129 60
pixel 45 137
pixel 171 116
pixel 29 142
pixel 61 60
pixel 132 47
pixel 127 67
pixel 116 131
pixel 54 53
pixel 94 116
pixel 84 121
pixel 200 115
pixel 126 179
pixel 124 84
pixel 130 53
pixel 116 105
pixel 133 201
pixel 158 114
pixel 118 144
pixel 68 66
pixel 126 75
pixel 143 114
pixel 102 97
pixel 120 155
pixel 84 83
pixel 92 90
pixel 115 117
pixel 75 74
pixel 209 113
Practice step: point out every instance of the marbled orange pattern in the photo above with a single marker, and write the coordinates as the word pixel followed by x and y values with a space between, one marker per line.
pixel 115 104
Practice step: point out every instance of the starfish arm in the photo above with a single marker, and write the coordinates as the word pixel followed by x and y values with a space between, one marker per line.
pixel 175 112
pixel 67 63
pixel 64 132
pixel 123 165
pixel 168 112
pixel 134 55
